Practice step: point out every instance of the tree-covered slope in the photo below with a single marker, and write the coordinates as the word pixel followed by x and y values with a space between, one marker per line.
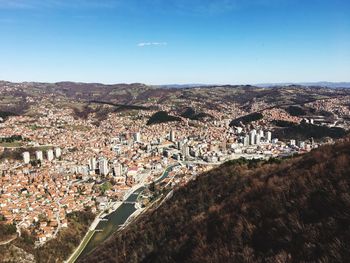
pixel 296 210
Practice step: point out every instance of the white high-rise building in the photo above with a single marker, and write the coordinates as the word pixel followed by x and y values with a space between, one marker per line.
pixel 137 137
pixel 292 142
pixel 58 152
pixel 252 137
pixel 92 164
pixel 186 150
pixel 103 166
pixel 257 139
pixel 269 136
pixel 49 155
pixel 261 133
pixel 39 155
pixel 118 169
pixel 246 140
pixel 172 136
pixel 26 157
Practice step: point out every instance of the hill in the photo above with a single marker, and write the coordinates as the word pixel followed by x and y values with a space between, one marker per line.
pixel 305 131
pixel 192 114
pixel 18 98
pixel 23 248
pixel 162 117
pixel 310 84
pixel 247 119
pixel 296 210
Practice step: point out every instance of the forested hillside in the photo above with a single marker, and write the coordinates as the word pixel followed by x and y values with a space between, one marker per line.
pixel 296 210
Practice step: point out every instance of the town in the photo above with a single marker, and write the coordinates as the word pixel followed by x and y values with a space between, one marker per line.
pixel 73 164
pixel 174 131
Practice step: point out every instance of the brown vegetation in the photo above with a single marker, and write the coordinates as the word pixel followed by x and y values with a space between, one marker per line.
pixel 7 231
pixel 55 250
pixel 293 211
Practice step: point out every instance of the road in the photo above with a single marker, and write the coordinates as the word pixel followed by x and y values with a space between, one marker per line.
pixel 7 241
pixel 18 230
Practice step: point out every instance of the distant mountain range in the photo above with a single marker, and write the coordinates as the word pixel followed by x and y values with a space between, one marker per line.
pixel 265 85
pixel 182 86
pixel 314 84
pixel 196 85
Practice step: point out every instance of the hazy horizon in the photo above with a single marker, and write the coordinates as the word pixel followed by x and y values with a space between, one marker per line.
pixel 189 84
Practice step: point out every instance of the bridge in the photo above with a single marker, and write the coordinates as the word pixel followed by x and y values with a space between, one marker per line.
pixel 129 203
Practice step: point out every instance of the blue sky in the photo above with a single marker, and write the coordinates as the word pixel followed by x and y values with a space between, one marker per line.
pixel 175 41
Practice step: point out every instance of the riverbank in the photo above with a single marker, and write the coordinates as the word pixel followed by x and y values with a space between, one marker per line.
pixel 81 247
pixel 92 229
pixel 85 239
pixel 119 217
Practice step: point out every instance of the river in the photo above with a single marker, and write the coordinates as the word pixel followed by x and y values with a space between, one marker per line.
pixel 117 218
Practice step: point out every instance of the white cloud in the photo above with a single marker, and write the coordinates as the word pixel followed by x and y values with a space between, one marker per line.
pixel 144 44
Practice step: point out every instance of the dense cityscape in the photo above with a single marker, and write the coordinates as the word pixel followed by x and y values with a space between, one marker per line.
pixel 65 163
pixel 190 131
